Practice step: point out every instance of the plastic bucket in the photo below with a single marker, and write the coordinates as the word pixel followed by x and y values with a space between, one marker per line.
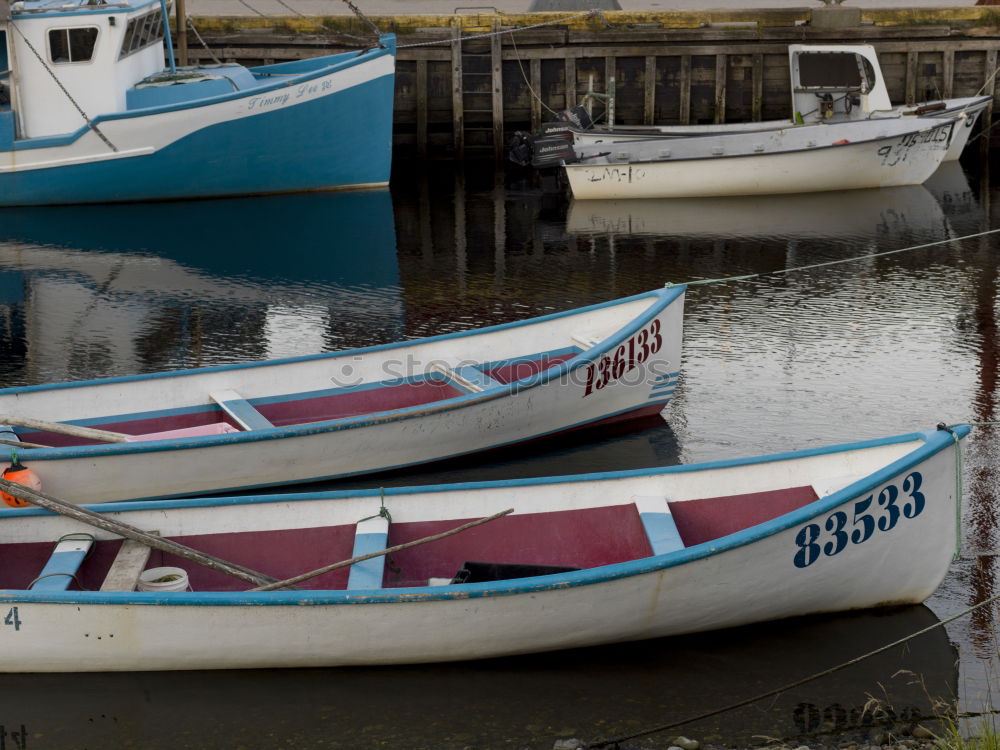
pixel 163 579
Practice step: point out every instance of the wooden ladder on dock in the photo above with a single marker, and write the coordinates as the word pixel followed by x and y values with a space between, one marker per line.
pixel 477 93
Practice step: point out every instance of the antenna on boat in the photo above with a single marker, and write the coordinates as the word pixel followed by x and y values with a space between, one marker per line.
pixel 167 41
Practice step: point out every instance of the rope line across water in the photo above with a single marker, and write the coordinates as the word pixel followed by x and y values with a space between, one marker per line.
pixel 614 743
pixel 748 277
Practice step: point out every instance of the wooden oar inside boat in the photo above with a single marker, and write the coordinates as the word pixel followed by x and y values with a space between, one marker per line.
pixel 132 532
pixel 59 428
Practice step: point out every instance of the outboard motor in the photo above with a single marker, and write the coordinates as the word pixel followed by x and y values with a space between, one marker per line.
pixel 578 117
pixel 542 150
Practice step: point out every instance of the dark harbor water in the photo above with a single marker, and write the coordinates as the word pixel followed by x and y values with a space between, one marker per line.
pixel 778 362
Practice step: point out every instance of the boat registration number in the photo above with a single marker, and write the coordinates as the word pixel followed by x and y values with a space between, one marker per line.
pixel 636 350
pixel 875 513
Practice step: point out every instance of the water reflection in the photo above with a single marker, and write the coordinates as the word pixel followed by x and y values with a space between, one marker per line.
pixel 593 694
pixel 866 214
pixel 840 353
pixel 100 290
pixel 951 189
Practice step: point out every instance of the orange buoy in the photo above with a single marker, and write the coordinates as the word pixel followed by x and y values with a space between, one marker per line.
pixel 17 472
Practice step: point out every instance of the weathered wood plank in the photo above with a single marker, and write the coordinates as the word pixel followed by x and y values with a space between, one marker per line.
pixel 423 96
pixel 948 72
pixel 457 101
pixel 684 81
pixel 649 91
pixel 570 82
pixel 721 71
pixel 757 103
pixel 496 60
pixel 911 76
pixel 535 76
pixel 610 74
pixel 128 565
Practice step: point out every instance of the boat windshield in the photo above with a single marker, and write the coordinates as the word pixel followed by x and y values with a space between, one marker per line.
pixel 820 71
pixel 141 32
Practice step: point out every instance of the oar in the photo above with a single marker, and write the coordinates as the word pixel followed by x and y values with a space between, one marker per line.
pixel 370 555
pixel 23 444
pixel 132 532
pixel 88 433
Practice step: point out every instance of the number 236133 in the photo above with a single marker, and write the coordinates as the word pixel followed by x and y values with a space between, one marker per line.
pixel 636 350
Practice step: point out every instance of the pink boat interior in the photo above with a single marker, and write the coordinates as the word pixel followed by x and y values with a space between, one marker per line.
pixel 214 418
pixel 510 547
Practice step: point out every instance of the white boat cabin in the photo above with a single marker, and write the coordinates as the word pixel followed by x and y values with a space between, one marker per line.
pixel 80 56
pixel 836 82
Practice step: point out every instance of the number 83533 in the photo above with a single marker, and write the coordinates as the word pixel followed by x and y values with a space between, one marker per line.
pixel 875 513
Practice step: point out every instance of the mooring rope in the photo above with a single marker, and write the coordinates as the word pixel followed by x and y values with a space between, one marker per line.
pixel 190 23
pixel 375 29
pixel 534 95
pixel 779 271
pixel 777 691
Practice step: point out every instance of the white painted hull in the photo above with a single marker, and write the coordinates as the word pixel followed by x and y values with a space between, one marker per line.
pixel 528 408
pixel 774 162
pixel 968 109
pixel 750 576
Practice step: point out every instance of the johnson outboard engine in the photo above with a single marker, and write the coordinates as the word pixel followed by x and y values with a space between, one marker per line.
pixel 553 144
pixel 541 151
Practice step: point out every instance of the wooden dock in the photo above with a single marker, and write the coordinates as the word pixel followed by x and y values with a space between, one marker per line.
pixel 465 82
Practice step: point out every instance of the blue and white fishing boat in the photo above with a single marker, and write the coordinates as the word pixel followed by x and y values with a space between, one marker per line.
pixel 549 563
pixel 89 113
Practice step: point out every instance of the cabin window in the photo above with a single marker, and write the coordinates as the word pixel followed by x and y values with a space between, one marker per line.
pixel 819 71
pixel 141 32
pixel 72 45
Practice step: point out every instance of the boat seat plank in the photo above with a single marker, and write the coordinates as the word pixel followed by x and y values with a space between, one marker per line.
pixel 127 566
pixel 371 535
pixel 469 378
pixel 658 523
pixel 62 565
pixel 472 374
pixel 241 410
pixel 586 340
pixel 828 486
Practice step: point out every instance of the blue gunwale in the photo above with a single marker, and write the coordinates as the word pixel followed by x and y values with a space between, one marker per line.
pixel 660 300
pixel 933 442
pixel 388 48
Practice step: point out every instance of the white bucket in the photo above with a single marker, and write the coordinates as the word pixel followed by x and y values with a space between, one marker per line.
pixel 163 579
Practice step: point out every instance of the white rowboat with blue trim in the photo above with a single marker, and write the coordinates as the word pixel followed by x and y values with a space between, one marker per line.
pixel 339 414
pixel 583 560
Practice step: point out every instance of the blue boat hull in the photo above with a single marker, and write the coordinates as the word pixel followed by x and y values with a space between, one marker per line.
pixel 343 140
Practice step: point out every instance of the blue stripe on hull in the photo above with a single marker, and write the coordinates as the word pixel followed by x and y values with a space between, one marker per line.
pixel 342 140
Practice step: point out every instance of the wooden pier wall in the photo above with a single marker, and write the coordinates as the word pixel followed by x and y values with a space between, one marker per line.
pixel 462 88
